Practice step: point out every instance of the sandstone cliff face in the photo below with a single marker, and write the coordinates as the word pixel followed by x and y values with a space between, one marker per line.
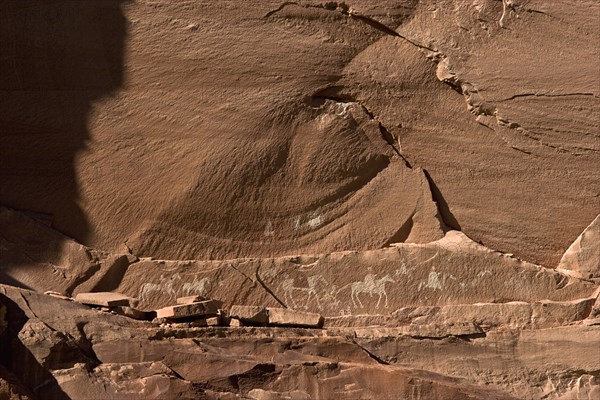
pixel 196 130
pixel 423 174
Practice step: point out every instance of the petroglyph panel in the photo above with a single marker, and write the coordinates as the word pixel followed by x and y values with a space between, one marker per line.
pixel 454 270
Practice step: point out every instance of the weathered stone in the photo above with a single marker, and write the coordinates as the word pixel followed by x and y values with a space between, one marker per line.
pixel 260 394
pixel 440 331
pixel 152 380
pixel 234 322
pixel 452 271
pixel 11 388
pixel 431 107
pixel 204 322
pixel 523 363
pixel 596 307
pixel 104 299
pixel 134 313
pixel 287 317
pixel 191 299
pixel 280 360
pixel 592 321
pixel 411 170
pixel 109 270
pixel 251 314
pixel 57 295
pixel 514 315
pixel 358 320
pixel 582 258
pixel 35 256
pixel 209 307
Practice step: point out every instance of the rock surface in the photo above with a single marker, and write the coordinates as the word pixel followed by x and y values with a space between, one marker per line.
pixel 200 309
pixel 11 388
pixel 83 353
pixel 103 299
pixel 294 131
pixel 287 317
pixel 252 314
pixel 582 258
pixel 399 178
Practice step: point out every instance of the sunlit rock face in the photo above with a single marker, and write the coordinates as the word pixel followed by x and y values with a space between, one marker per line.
pixel 420 177
pixel 201 130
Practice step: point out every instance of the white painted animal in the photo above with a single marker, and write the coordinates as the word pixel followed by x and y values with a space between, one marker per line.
pixel 370 286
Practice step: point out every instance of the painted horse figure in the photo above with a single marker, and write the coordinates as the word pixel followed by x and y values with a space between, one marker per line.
pixel 370 286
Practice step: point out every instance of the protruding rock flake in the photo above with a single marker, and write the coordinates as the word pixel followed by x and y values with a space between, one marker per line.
pixel 582 258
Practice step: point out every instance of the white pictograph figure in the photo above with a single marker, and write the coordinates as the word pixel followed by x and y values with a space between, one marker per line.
pixel 149 289
pixel 370 286
pixel 288 288
pixel 316 293
pixel 195 287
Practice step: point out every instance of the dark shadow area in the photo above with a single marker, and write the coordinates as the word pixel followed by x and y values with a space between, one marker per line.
pixel 17 358
pixel 57 58
pixel 113 277
pixel 401 234
pixel 443 208
pixel 6 279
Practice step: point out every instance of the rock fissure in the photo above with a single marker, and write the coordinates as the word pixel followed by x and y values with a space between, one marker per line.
pixel 350 12
pixel 516 96
pixel 479 107
pixel 386 135
pixel 267 288
pixel 86 346
pixel 252 281
pixel 468 90
pixel 258 280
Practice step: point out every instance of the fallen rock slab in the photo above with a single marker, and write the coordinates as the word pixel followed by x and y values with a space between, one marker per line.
pixel 191 299
pixel 203 308
pixel 103 299
pixel 134 313
pixel 287 317
pixel 234 323
pixel 250 314
pixel 210 321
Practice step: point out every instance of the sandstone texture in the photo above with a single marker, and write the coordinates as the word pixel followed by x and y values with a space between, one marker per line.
pixel 250 314
pixel 283 317
pixel 449 319
pixel 300 200
pixel 203 308
pixel 582 258
pixel 103 299
pixel 303 127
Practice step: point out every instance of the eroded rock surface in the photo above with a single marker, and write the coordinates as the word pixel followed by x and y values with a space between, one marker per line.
pixel 86 353
pixel 391 182
pixel 216 130
pixel 446 319
pixel 582 258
